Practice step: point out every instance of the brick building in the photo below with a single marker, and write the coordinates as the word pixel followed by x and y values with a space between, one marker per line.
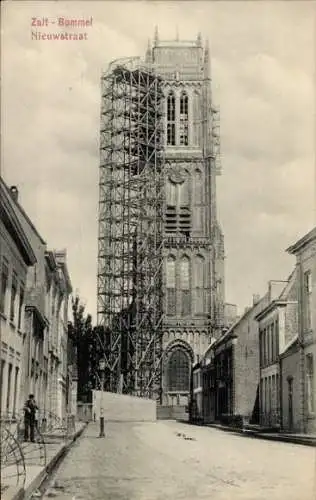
pixel 228 383
pixel 44 351
pixel 277 328
pixel 16 257
pixel 58 289
pixel 298 362
pixel 236 360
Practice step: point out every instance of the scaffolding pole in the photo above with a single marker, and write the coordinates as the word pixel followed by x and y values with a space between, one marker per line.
pixel 130 240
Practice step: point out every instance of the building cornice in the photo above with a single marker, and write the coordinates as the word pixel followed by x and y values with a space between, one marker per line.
pixel 302 242
pixel 40 317
pixel 51 261
pixel 270 307
pixel 13 225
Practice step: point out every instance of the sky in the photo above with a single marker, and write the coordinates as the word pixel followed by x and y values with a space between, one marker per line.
pixel 263 79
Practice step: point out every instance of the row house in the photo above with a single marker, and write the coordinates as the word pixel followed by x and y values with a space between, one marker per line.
pixel 16 257
pixel 236 359
pixel 277 327
pixel 298 401
pixel 58 290
pixel 44 341
pixel 229 379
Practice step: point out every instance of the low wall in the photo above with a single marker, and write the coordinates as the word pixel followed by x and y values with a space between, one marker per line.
pixel 123 408
pixel 171 413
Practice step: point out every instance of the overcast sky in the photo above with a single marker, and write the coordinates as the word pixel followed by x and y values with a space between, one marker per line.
pixel 263 74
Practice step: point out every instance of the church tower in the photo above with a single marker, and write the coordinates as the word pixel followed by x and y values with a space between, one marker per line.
pixel 193 241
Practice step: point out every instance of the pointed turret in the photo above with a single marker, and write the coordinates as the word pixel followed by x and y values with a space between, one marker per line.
pixel 149 52
pixel 199 40
pixel 156 36
pixel 207 69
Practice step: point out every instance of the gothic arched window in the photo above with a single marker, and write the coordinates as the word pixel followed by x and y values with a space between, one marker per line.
pixel 198 187
pixel 199 284
pixel 171 193
pixel 171 285
pixel 185 282
pixel 184 119
pixel 184 193
pixel 178 371
pixel 171 120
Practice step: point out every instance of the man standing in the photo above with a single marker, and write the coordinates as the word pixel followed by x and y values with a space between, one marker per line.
pixel 30 408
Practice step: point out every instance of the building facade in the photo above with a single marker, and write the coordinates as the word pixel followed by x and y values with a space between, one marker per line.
pixel 16 257
pixel 301 382
pixel 277 328
pixel 228 389
pixel 44 344
pixel 236 359
pixel 193 240
pixel 58 290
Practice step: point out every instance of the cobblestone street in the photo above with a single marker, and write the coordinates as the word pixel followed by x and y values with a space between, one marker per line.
pixel 153 461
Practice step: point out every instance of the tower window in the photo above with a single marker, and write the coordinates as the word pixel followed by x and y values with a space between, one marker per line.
pixel 184 106
pixel 178 210
pixel 171 120
pixel 199 278
pixel 185 271
pixel 171 285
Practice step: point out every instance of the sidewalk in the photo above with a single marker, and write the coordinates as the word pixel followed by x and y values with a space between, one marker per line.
pixel 56 447
pixel 304 439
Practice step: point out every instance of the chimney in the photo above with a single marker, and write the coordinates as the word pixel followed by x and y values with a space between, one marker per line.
pixel 255 299
pixel 14 193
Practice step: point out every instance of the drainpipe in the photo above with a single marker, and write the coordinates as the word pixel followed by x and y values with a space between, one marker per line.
pixel 281 393
pixel 233 368
pixel 301 346
pixel 29 371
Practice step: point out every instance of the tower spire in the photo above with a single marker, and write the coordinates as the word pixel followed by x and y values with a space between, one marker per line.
pixel 156 35
pixel 207 59
pixel 199 40
pixel 149 52
pixel 177 33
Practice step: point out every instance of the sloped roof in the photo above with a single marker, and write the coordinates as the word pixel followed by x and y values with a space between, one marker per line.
pixel 11 221
pixel 305 240
pixel 289 345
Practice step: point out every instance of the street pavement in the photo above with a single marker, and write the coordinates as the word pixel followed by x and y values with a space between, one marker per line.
pixel 158 461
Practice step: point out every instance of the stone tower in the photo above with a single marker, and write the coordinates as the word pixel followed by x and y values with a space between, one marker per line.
pixel 194 247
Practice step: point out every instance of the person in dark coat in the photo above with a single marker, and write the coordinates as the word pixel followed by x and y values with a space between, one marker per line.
pixel 30 408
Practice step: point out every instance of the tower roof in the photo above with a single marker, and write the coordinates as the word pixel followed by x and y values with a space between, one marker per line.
pixel 187 58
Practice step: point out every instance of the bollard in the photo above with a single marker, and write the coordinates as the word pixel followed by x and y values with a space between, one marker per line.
pixel 101 426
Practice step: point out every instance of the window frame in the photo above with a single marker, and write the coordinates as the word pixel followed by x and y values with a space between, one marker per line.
pixel 171 119
pixel 4 289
